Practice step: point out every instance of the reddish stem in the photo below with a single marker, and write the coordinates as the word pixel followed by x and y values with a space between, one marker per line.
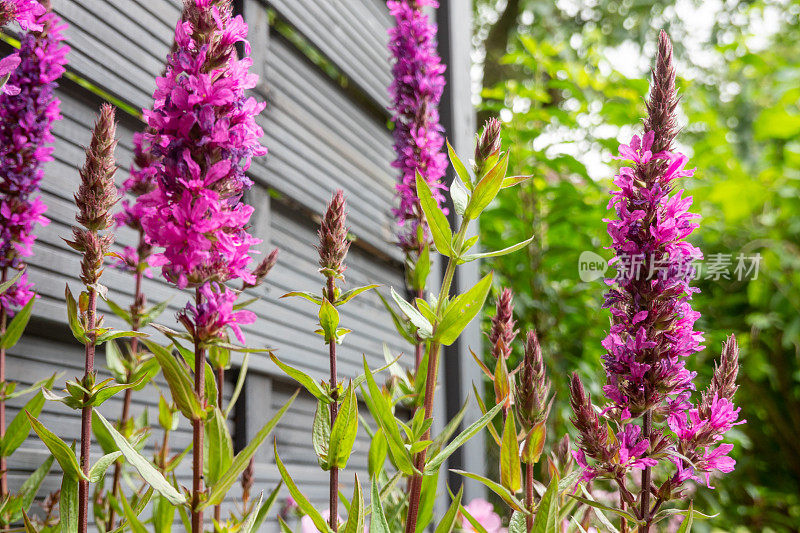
pixel 334 473
pixel 197 430
pixel 3 462
pixel 419 460
pixel 220 384
pixel 86 417
pixel 529 496
pixel 647 429
pixel 420 346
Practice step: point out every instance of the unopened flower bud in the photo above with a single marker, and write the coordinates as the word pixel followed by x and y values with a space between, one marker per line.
pixel 534 387
pixel 593 436
pixel 488 145
pixel 263 268
pixel 723 383
pixel 503 325
pixel 333 243
pixel 97 192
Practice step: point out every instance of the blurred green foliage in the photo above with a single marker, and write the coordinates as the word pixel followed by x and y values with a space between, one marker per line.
pixel 566 106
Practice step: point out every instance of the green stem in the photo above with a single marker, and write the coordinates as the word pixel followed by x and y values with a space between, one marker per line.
pixel 430 383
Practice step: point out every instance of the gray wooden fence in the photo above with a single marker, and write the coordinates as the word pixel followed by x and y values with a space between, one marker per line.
pixel 323 132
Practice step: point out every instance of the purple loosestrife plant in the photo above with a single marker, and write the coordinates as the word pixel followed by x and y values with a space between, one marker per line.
pixel 652 329
pixel 418 137
pixel 25 146
pixel 202 136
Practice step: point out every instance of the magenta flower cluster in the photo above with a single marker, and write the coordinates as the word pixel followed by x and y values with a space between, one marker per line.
pixel 651 311
pixel 211 318
pixel 27 14
pixel 26 140
pixel 416 91
pixel 204 135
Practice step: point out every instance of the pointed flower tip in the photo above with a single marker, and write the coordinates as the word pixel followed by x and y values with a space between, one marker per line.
pixel 489 141
pixel 333 243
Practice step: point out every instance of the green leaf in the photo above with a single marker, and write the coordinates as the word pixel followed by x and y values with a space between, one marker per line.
pixel 7 284
pixel 427 501
pixel 118 310
pixel 150 474
pixel 378 450
pixel 356 513
pixel 352 293
pixel 437 221
pixel 460 195
pixel 63 453
pixel 517 523
pixel 29 527
pixel 218 448
pixel 534 443
pixel 115 361
pixel 72 317
pixel 102 435
pixel 598 505
pixel 98 471
pixel 163 515
pixel 31 486
pixel 107 392
pixel 459 167
pixel 133 520
pixel 344 430
pixel 497 488
pixel 257 517
pixel 321 434
pixel 504 251
pixel 686 525
pixel 448 521
pixel 310 296
pixel 510 468
pixel 116 334
pixel 434 463
pixel 302 502
pixel 546 520
pixel 461 311
pixel 328 320
pixel 218 491
pixel 303 379
pixel 514 180
pixel 180 384
pixel 68 503
pixel 477 526
pixel 17 326
pixel 377 522
pixel 20 427
pixel 237 389
pixel 486 189
pixel 402 325
pixel 418 319
pixel 382 413
pixel 153 312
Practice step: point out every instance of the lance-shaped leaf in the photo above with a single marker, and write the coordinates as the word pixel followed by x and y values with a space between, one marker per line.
pixel 17 326
pixel 218 448
pixel 534 443
pixel 68 504
pixel 343 432
pixel 497 253
pixel 31 486
pixel 134 523
pixel 98 471
pixel 517 523
pixel 120 311
pixel 303 379
pixel 461 311
pixel 598 505
pixel 403 326
pixel 7 284
pixel 328 320
pixel 378 450
pixel 310 296
pixel 20 427
pixel 686 525
pixel 448 521
pixel 261 510
pixel 116 334
pixel 321 434
pixel 302 502
pixel 458 166
pixel 510 468
pixel 63 453
pixel 237 389
pixel 180 384
pixel 497 488
pixel 383 415
pixel 377 522
pixel 149 472
pixel 437 221
pixel 29 527
pixel 163 515
pixel 477 526
pixel 72 317
pixel 356 512
pixel 434 463
pixel 460 195
pixel 546 520
pixel 352 293
pixel 427 501
pixel 514 180
pixel 486 189
pixel 418 319
pixel 218 491
pixel 152 312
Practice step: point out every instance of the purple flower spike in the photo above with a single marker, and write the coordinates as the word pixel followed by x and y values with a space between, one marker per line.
pixel 203 135
pixel 26 141
pixel 416 92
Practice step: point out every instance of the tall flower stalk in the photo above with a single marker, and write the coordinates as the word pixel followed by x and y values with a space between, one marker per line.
pixel 202 129
pixel 25 146
pixel 652 331
pixel 95 197
pixel 333 247
pixel 416 90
